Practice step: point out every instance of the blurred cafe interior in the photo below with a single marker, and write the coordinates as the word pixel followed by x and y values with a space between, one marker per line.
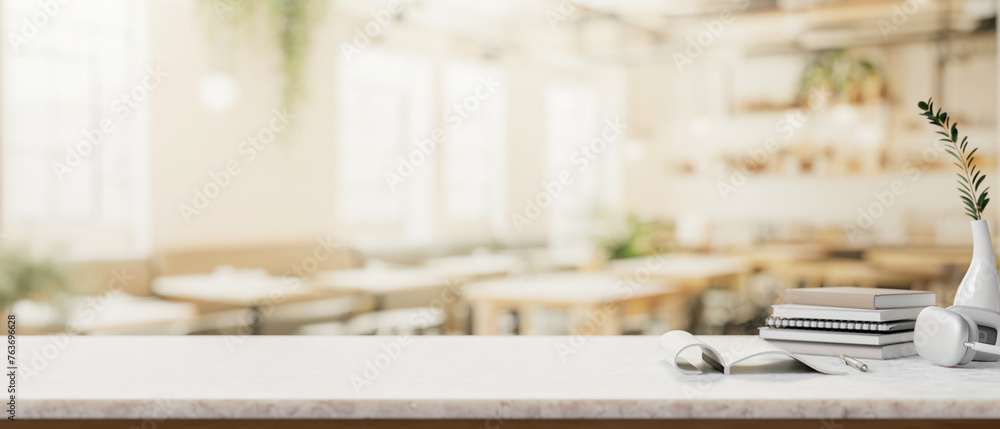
pixel 501 167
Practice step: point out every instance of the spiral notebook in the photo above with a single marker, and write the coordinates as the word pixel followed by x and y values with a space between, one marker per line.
pixel 841 337
pixel 839 325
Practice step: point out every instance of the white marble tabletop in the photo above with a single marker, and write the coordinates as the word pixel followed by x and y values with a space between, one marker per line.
pixel 460 377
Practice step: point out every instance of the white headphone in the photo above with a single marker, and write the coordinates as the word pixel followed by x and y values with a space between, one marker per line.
pixel 966 331
pixel 957 335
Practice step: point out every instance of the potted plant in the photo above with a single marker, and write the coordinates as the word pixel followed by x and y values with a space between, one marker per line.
pixel 980 287
pixel 640 238
pixel 22 276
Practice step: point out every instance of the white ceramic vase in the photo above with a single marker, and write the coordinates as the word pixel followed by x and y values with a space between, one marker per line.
pixel 978 296
pixel 980 286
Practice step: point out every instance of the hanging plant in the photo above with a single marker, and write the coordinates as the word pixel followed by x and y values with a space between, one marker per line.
pixel 291 22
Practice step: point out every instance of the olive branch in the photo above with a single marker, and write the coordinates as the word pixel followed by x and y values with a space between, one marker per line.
pixel 971 177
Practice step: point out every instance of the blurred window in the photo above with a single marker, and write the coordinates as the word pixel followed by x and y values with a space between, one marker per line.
pixel 573 126
pixel 74 150
pixel 384 177
pixel 475 123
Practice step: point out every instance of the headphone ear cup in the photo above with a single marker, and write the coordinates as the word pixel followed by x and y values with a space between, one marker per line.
pixel 973 337
pixel 940 334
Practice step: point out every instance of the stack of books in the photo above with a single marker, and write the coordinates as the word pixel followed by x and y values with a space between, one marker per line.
pixel 869 323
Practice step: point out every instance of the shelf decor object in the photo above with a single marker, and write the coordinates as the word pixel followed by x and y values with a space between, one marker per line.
pixel 980 287
pixel 847 77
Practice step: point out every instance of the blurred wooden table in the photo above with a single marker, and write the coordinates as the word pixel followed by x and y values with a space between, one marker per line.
pixel 380 282
pixel 249 289
pixel 771 256
pixel 602 295
pixel 473 267
pixel 846 272
pixel 921 259
pixel 377 283
pixel 942 267
pixel 692 272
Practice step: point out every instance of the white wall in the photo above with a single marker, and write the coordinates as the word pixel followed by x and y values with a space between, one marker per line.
pixel 288 192
pixel 189 142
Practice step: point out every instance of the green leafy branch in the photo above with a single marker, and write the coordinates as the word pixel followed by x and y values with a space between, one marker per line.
pixel 971 177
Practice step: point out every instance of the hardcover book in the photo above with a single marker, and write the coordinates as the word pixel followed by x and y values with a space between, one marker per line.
pixel 840 313
pixel 860 297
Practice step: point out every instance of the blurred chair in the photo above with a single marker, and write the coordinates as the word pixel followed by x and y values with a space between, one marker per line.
pixel 144 316
pixel 131 276
pixel 722 311
pixel 402 321
pixel 112 313
pixel 595 303
pixel 388 288
pixel 228 322
pixel 558 258
pixel 479 265
pixel 281 319
pixel 276 259
pixel 288 318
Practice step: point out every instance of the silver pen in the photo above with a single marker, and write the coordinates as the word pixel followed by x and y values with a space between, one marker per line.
pixel 854 362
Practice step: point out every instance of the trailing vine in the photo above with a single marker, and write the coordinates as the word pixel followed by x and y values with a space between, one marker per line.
pixel 291 22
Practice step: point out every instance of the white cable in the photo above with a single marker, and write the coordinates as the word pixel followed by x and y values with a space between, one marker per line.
pixel 983 347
